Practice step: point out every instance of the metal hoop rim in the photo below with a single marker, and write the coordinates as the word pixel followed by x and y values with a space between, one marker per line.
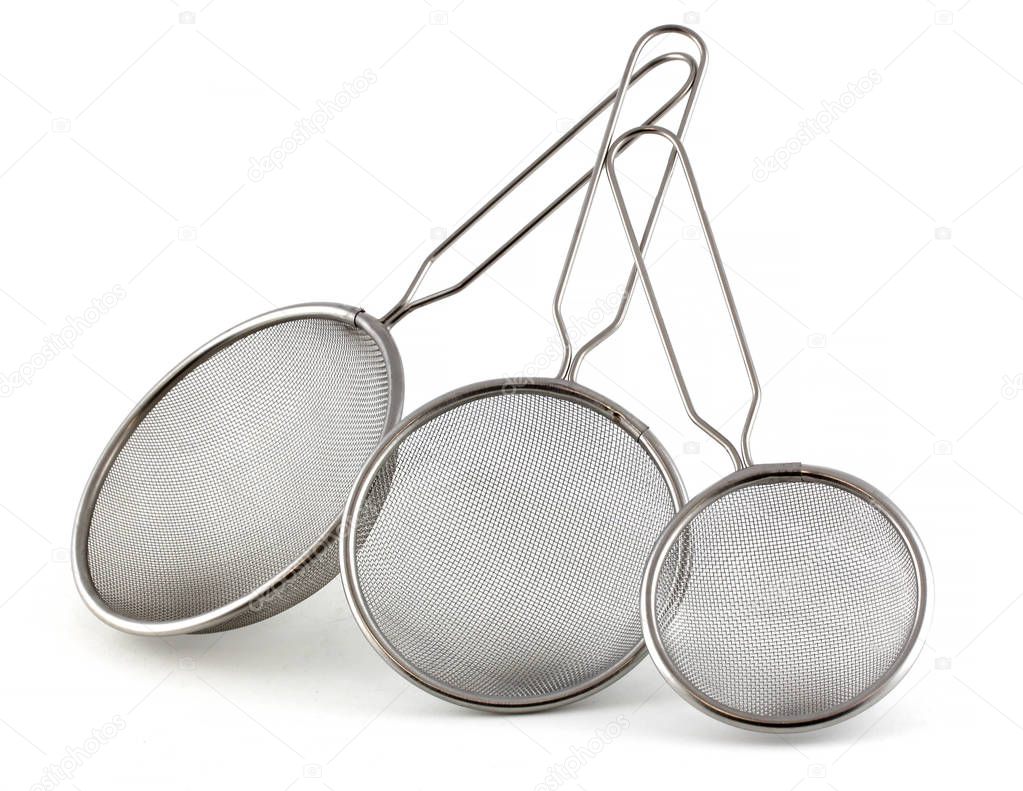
pixel 83 518
pixel 760 474
pixel 559 388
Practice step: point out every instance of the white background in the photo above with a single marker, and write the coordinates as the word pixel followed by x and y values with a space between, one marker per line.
pixel 878 275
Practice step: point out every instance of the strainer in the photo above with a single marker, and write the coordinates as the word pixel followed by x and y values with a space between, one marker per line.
pixel 494 541
pixel 786 596
pixel 211 507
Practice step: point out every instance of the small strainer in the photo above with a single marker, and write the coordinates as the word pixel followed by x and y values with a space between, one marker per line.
pixel 786 596
pixel 494 541
pixel 212 506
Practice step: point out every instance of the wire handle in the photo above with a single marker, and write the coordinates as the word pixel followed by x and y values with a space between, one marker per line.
pixel 570 360
pixel 740 458
pixel 623 305
pixel 407 304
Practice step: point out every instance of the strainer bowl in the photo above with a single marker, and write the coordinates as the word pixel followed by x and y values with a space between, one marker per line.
pixel 211 505
pixel 786 597
pixel 495 542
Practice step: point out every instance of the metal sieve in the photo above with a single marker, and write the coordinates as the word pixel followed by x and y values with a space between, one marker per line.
pixel 786 596
pixel 212 506
pixel 494 541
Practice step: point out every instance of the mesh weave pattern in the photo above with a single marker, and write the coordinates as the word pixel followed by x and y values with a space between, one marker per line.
pixel 501 544
pixel 236 471
pixel 794 598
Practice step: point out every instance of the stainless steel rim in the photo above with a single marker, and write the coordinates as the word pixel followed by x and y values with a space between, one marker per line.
pixel 772 473
pixel 558 388
pixel 83 517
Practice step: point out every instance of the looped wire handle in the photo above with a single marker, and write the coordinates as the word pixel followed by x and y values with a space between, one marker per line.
pixel 407 304
pixel 570 359
pixel 740 458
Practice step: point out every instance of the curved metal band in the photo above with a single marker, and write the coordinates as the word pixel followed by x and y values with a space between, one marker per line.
pixel 407 304
pixel 761 474
pixel 347 526
pixel 569 364
pixel 740 458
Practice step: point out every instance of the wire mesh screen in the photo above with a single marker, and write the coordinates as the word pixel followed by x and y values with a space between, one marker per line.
pixel 790 600
pixel 236 471
pixel 501 544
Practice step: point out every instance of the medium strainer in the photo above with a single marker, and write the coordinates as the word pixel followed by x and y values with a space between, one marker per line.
pixel 494 541
pixel 786 596
pixel 212 506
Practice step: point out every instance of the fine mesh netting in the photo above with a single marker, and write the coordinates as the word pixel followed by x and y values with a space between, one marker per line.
pixel 793 599
pixel 500 546
pixel 236 471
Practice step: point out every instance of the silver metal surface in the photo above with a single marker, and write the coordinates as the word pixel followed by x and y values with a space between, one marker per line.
pixel 213 505
pixel 494 542
pixel 784 597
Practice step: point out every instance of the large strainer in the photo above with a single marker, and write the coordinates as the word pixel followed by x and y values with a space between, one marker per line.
pixel 495 540
pixel 212 506
pixel 786 596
